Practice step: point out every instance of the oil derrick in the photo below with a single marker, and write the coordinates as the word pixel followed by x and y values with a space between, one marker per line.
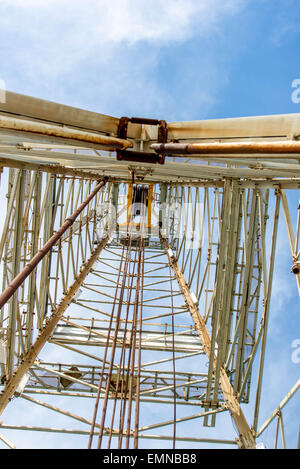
pixel 137 267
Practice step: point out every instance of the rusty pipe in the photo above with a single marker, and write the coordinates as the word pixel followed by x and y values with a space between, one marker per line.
pixel 20 278
pixel 51 130
pixel 275 149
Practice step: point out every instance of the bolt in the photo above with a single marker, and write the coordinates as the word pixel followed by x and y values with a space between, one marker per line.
pixel 296 268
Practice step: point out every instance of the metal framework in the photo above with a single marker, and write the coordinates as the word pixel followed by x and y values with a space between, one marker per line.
pixel 137 263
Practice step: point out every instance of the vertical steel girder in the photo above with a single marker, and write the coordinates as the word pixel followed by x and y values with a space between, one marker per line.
pixel 17 247
pixel 11 291
pixel 47 232
pixel 19 279
pixel 265 318
pixel 37 179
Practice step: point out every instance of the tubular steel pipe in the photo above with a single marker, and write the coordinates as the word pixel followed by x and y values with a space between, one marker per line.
pixel 50 130
pixel 20 278
pixel 227 148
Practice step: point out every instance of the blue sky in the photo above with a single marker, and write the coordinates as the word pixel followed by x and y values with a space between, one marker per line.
pixel 176 60
pixel 173 60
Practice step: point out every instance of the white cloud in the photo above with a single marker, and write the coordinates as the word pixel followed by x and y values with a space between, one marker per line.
pixel 115 48
pixel 99 21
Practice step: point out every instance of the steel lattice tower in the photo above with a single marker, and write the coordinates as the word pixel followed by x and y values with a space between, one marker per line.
pixel 137 264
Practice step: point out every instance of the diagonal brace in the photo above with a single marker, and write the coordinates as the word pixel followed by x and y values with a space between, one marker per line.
pixel 47 330
pixel 246 439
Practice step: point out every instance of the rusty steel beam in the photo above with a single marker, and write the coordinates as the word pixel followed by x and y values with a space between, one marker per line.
pixel 273 149
pixel 19 279
pixel 30 357
pixel 51 130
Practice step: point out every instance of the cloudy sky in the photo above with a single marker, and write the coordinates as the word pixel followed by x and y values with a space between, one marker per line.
pixel 173 60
